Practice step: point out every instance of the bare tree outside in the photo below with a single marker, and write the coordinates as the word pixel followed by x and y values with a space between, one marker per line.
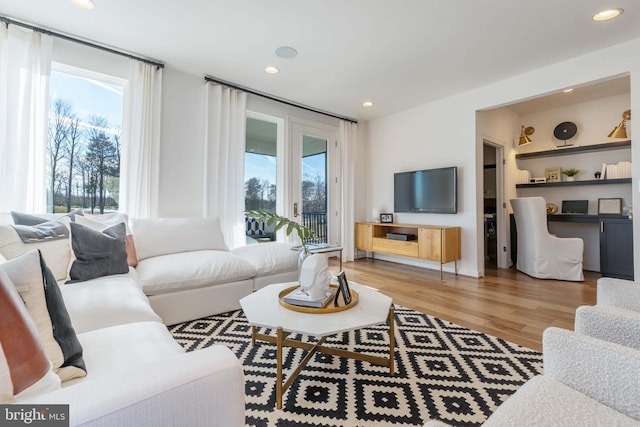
pixel 57 139
pixel 83 158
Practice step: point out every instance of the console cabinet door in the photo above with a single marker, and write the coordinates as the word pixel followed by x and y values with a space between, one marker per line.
pixel 364 237
pixel 430 245
pixel 616 248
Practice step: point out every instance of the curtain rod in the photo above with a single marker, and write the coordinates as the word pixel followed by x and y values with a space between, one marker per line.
pixel 273 98
pixel 9 21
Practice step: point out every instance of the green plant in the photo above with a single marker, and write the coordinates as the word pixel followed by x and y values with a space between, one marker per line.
pixel 571 172
pixel 304 232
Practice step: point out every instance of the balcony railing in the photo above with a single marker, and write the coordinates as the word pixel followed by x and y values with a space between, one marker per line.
pixel 317 221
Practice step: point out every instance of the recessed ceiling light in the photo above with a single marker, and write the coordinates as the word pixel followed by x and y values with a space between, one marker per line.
pixel 84 4
pixel 568 90
pixel 608 14
pixel 286 52
pixel 367 104
pixel 272 70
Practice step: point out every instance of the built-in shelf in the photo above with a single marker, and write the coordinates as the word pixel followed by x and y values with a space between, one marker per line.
pixel 618 145
pixel 574 183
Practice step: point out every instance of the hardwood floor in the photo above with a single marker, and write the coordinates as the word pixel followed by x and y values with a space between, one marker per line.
pixel 504 303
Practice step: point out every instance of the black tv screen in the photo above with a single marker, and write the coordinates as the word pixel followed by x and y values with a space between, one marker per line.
pixel 426 191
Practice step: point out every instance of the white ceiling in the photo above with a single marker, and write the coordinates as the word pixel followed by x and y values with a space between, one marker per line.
pixel 397 53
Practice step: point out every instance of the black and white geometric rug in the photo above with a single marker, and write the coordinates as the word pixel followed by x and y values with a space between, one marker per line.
pixel 443 371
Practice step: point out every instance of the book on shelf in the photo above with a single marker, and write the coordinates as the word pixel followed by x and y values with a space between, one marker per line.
pixel 299 297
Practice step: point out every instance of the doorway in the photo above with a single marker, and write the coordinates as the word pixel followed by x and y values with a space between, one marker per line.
pixel 314 179
pixel 490 206
pixel 494 206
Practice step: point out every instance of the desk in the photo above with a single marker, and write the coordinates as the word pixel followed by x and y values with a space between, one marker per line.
pixel 616 241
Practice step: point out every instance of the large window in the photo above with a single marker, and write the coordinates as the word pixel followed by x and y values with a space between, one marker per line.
pixel 83 146
pixel 260 165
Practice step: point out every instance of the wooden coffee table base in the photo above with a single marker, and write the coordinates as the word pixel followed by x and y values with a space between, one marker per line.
pixel 281 341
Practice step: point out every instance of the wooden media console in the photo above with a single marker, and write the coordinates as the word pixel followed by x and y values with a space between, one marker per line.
pixel 432 242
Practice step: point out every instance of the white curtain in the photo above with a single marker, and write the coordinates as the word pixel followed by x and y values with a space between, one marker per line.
pixel 140 168
pixel 348 139
pixel 25 69
pixel 224 147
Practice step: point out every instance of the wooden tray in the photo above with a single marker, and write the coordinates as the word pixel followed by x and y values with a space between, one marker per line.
pixel 329 308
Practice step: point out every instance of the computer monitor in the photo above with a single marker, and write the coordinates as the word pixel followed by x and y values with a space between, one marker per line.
pixel 575 206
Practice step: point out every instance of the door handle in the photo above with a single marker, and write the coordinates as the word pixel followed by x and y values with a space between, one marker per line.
pixel 295 210
pixel 602 226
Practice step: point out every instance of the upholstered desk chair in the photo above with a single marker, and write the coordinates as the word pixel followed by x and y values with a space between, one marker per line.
pixel 616 315
pixel 541 254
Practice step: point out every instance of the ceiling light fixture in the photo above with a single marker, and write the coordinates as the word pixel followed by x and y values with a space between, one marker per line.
pixel 568 90
pixel 367 104
pixel 272 70
pixel 608 14
pixel 84 4
pixel 286 52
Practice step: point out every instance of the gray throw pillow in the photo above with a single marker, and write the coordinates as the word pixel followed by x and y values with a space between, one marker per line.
pixel 31 220
pixel 98 253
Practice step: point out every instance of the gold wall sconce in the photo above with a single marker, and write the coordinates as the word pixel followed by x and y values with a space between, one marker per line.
pixel 620 131
pixel 524 135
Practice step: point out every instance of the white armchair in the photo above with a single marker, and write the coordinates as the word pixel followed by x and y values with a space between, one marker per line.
pixel 616 317
pixel 541 254
pixel 586 382
pixel 618 293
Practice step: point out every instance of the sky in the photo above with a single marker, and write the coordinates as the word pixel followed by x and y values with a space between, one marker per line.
pixel 88 97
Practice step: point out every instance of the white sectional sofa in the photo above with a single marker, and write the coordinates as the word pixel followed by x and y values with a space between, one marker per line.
pixel 188 272
pixel 137 375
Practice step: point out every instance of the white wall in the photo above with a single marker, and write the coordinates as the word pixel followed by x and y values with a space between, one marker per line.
pixel 446 132
pixel 182 145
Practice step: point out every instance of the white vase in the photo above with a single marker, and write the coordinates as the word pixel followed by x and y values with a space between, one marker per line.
pixel 571 178
pixel 303 255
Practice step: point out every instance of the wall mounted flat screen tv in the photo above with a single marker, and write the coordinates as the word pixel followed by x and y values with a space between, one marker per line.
pixel 426 191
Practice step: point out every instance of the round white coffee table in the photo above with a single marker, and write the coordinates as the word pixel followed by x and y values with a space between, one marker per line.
pixel 263 308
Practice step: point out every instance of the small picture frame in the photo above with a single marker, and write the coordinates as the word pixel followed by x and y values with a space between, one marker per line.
pixel 343 286
pixel 610 206
pixel 553 174
pixel 386 217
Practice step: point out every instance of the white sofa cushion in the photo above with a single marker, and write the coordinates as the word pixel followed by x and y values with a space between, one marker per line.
pixel 106 301
pixel 185 270
pixel 269 258
pixel 123 347
pixel 163 236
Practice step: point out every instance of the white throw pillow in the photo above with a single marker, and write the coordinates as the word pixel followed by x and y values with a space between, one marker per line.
pixel 164 236
pixel 104 220
pixel 57 253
